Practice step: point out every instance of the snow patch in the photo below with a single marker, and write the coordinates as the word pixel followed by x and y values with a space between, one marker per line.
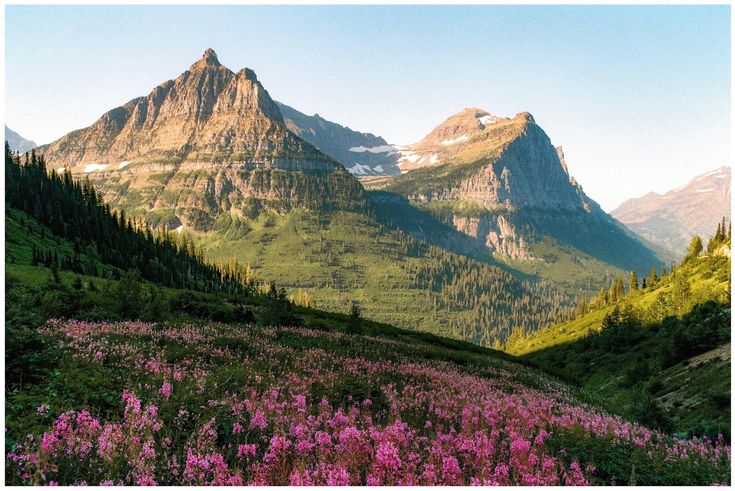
pixel 487 119
pixel 378 168
pixel 179 228
pixel 706 190
pixel 410 157
pixel 60 170
pixel 378 149
pixel 434 159
pixel 455 140
pixel 94 167
pixel 123 164
pixel 360 170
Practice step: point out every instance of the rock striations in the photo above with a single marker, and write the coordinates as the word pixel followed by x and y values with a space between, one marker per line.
pixel 518 186
pixel 208 142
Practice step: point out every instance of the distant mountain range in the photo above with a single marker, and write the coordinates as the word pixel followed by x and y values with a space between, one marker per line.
pixel 18 143
pixel 671 219
pixel 460 225
pixel 360 153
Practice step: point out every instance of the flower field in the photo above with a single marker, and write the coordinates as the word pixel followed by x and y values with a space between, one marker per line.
pixel 215 404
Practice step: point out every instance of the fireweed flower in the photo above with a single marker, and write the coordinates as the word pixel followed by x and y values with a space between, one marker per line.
pixel 165 390
pixel 440 426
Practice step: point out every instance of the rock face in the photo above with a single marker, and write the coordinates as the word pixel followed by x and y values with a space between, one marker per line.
pixel 518 186
pixel 671 219
pixel 18 143
pixel 361 153
pixel 496 232
pixel 208 142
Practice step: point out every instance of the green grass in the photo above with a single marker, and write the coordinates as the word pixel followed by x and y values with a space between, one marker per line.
pixel 22 234
pixel 635 373
pixel 708 277
pixel 347 259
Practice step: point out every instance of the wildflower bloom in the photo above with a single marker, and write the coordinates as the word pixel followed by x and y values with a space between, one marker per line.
pixel 440 426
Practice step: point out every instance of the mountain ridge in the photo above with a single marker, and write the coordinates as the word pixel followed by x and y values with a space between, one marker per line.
pixel 517 184
pixel 18 143
pixel 672 218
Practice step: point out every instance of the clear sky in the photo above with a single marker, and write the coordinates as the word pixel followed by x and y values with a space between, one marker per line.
pixel 638 96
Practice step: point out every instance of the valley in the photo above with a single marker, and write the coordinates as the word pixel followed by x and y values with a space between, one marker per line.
pixel 493 213
pixel 210 283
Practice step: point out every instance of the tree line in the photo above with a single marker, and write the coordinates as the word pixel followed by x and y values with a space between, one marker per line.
pixel 106 242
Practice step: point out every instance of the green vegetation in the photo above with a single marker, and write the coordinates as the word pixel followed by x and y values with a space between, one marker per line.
pixel 348 257
pixel 74 212
pixel 659 352
pixel 656 348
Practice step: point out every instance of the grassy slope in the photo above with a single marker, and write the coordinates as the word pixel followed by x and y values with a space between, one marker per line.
pixel 346 258
pixel 18 269
pixel 694 393
pixel 704 284
pixel 72 383
pixel 349 260
pixel 567 268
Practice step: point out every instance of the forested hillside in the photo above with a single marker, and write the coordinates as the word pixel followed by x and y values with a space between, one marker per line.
pixel 658 351
pixel 135 383
pixel 380 269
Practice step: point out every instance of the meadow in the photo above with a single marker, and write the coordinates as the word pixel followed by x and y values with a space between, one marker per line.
pixel 199 403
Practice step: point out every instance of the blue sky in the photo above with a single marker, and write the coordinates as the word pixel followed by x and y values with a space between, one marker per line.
pixel 638 96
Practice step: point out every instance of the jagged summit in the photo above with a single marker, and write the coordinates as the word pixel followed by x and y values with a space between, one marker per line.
pixel 509 169
pixel 207 112
pixel 208 59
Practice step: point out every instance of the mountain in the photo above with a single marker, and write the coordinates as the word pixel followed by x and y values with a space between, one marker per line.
pixel 501 182
pixel 184 374
pixel 671 219
pixel 18 143
pixel 210 142
pixel 211 156
pixel 360 153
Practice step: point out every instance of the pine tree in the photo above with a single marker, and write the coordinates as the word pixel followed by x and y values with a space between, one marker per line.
pixel 633 282
pixel 695 248
pixel 652 277
pixel 721 235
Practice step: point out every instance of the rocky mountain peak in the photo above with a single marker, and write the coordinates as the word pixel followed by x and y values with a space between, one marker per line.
pixel 458 127
pixel 206 112
pixel 208 60
pixel 248 74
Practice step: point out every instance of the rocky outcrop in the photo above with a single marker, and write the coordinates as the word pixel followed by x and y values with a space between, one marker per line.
pixel 520 186
pixel 496 232
pixel 207 113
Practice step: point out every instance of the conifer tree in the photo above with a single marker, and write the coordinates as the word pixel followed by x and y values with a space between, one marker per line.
pixel 633 282
pixel 695 248
pixel 652 277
